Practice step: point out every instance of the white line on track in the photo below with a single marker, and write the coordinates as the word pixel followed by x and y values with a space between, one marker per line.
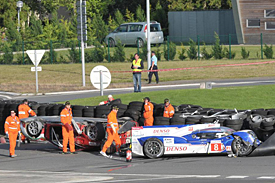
pixel 265 177
pixel 236 177
pixel 5 96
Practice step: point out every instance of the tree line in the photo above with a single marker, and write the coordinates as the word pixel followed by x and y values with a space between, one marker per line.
pixel 39 20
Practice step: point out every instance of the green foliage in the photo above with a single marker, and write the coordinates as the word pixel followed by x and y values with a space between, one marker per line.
pixel 227 53
pixel 98 52
pixel 98 28
pixel 118 17
pixel 8 55
pixel 205 54
pixel 268 51
pixel 158 53
pixel 119 54
pixel 129 16
pixel 160 15
pixel 182 53
pixel 172 51
pixel 244 53
pixel 131 58
pixel 140 15
pixel 74 53
pixel 143 52
pixel 217 49
pixel 192 52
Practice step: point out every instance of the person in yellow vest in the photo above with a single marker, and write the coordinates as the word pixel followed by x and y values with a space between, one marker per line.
pixel 137 66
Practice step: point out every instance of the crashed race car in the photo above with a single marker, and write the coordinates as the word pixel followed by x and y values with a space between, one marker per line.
pixel 89 132
pixel 156 141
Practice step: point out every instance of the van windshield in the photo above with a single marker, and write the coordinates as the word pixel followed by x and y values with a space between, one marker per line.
pixel 155 28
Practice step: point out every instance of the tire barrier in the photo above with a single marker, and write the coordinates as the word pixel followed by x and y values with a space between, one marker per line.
pixel 261 121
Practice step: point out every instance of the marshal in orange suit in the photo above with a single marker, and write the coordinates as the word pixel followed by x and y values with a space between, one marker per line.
pixel 12 129
pixel 148 112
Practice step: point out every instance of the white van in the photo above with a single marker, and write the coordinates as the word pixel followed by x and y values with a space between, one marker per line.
pixel 135 33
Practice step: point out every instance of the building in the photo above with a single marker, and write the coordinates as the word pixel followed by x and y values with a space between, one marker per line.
pixel 253 17
pixel 249 22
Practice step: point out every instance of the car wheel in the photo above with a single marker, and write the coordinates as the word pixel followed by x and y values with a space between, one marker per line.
pixel 153 148
pixel 240 148
pixel 111 43
pixel 140 42
pixel 34 128
pixel 95 132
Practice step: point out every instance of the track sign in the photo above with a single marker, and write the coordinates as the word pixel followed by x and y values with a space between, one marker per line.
pixel 95 76
pixel 38 69
pixel 39 55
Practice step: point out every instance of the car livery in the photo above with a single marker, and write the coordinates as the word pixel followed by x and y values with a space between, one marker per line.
pixel 156 141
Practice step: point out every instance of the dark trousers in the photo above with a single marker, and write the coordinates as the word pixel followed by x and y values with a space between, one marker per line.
pixel 155 73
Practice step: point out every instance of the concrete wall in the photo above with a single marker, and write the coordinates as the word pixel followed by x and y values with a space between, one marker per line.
pixel 190 24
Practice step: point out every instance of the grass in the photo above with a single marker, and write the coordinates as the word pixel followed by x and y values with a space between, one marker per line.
pixel 251 97
pixel 64 77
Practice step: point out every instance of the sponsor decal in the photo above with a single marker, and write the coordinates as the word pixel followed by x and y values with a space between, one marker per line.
pixel 168 141
pixel 190 128
pixel 228 148
pixel 211 125
pixel 181 148
pixel 137 128
pixel 161 131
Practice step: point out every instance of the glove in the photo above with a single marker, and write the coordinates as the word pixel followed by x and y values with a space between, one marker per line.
pixel 68 127
pixel 7 134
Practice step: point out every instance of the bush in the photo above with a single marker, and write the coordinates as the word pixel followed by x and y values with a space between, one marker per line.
pixel 8 55
pixel 192 51
pixel 205 54
pixel 172 51
pixel 131 58
pixel 227 54
pixel 73 53
pixel 268 51
pixel 119 54
pixel 182 52
pixel 95 54
pixel 217 50
pixel 245 54
pixel 158 53
pixel 143 52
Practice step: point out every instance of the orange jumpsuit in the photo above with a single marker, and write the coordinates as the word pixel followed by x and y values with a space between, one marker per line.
pixel 112 136
pixel 148 114
pixel 23 112
pixel 68 135
pixel 168 111
pixel 12 127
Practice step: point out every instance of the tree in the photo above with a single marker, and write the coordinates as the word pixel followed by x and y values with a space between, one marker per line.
pixel 140 16
pixel 161 16
pixel 99 29
pixel 129 16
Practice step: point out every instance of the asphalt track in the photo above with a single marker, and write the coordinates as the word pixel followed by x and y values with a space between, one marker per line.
pixel 63 96
pixel 41 162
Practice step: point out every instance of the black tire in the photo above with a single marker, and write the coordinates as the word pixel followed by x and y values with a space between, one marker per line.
pixel 136 106
pixel 193 120
pixel 159 120
pixel 116 101
pixel 141 121
pixel 240 148
pixel 233 121
pixel 95 132
pixel 175 120
pixel 158 110
pixel 112 42
pixel 153 148
pixel 261 112
pixel 89 111
pixel 33 129
pixel 140 43
pixel 234 127
pixel 122 107
pixel 208 120
pixel 77 113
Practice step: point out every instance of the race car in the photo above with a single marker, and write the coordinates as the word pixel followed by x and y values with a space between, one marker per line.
pixel 156 141
pixel 89 132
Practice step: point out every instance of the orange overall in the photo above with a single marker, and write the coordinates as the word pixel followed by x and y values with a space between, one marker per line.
pixel 112 136
pixel 168 111
pixel 148 114
pixel 23 112
pixel 12 127
pixel 67 130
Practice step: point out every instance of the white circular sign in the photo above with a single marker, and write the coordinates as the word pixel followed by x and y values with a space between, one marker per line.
pixel 95 76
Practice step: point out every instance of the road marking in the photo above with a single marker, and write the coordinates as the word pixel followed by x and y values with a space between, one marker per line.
pixel 236 177
pixel 264 177
pixel 4 96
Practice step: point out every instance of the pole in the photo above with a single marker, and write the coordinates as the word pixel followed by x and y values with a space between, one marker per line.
pixel 18 17
pixel 82 46
pixel 101 83
pixel 148 35
pixel 109 50
pixel 36 73
pixel 262 54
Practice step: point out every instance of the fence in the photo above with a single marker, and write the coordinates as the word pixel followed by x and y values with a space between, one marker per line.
pixel 69 51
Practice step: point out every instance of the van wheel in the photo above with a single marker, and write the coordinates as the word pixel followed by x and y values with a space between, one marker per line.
pixel 111 43
pixel 140 42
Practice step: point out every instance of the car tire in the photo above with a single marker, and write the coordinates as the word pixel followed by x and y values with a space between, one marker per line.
pixel 240 148
pixel 153 148
pixel 95 132
pixel 140 43
pixel 112 42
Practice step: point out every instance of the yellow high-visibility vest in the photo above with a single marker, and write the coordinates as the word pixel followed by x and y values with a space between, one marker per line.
pixel 137 64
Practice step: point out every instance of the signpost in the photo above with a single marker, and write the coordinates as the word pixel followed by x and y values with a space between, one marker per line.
pixel 100 78
pixel 36 56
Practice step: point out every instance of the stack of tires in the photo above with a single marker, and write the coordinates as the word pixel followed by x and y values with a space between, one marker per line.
pixel 56 109
pixel 41 110
pixel 122 109
pixel 177 119
pixel 2 117
pixel 134 110
pixel 235 124
pixel 77 110
pixel 158 110
pixel 35 107
pixel 89 111
pixel 102 111
pixel 49 110
pixel 160 120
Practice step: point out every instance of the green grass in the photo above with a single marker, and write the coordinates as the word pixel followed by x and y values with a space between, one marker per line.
pixel 251 97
